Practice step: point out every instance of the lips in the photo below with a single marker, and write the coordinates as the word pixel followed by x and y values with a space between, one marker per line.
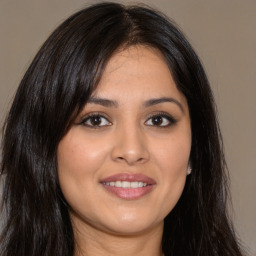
pixel 128 186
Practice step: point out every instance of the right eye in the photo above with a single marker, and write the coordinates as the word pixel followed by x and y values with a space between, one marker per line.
pixel 95 121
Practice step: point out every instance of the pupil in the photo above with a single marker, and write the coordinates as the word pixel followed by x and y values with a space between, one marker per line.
pixel 96 120
pixel 157 120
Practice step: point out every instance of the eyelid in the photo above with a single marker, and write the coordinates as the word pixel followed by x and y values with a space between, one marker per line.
pixel 170 118
pixel 95 114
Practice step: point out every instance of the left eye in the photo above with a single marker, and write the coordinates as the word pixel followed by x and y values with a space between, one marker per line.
pixel 96 121
pixel 160 120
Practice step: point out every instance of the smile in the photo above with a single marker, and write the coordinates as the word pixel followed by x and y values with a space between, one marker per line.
pixel 128 186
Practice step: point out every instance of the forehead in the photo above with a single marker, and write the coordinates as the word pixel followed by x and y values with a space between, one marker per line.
pixel 137 72
pixel 135 62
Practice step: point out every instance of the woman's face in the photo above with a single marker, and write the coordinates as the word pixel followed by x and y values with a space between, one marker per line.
pixel 122 165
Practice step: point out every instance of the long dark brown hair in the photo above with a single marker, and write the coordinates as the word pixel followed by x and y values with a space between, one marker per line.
pixel 53 91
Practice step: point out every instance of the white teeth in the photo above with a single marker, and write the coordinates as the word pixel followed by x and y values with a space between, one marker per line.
pixel 135 184
pixel 126 184
pixel 118 184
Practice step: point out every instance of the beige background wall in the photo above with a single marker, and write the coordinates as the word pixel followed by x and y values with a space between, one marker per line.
pixel 224 34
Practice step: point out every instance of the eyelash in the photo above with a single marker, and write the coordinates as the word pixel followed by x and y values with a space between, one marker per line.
pixel 94 115
pixel 171 121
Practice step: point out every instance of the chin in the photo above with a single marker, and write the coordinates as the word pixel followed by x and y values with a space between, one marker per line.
pixel 129 224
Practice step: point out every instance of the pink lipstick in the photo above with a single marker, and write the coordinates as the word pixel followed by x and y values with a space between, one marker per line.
pixel 128 186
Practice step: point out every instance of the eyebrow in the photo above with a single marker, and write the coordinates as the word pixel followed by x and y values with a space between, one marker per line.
pixel 151 102
pixel 103 102
pixel 156 101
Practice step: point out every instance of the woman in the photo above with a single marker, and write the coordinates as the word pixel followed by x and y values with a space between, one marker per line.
pixel 112 146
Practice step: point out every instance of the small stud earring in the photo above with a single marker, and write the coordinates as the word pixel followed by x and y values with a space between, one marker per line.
pixel 189 170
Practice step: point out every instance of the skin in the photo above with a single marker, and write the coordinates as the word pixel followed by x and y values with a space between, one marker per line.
pixel 126 139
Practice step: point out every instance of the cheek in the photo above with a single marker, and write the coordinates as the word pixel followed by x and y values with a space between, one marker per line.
pixel 79 161
pixel 172 154
pixel 171 158
pixel 78 155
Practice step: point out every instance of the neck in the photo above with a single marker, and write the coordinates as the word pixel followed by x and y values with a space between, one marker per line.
pixel 90 241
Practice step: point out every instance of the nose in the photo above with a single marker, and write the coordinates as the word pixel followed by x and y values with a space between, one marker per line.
pixel 130 146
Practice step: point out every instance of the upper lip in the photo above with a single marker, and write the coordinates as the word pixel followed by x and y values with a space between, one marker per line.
pixel 129 177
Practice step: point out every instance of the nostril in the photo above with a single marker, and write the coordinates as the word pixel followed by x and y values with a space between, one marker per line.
pixel 130 160
pixel 130 151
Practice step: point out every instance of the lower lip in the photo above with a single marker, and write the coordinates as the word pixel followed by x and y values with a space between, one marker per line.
pixel 129 193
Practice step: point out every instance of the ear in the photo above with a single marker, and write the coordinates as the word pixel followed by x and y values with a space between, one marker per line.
pixel 189 169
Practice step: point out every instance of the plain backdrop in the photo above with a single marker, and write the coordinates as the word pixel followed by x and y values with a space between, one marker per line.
pixel 223 32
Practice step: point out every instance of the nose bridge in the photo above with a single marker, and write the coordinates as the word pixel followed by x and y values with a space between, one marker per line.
pixel 130 144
